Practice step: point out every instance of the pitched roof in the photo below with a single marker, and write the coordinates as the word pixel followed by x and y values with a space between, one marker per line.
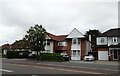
pixel 21 44
pixel 112 32
pixel 75 33
pixel 5 46
pixel 57 38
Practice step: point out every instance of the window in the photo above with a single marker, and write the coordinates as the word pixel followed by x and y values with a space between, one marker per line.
pixel 102 40
pixel 115 39
pixel 48 43
pixel 59 43
pixel 78 41
pixel 62 43
pixel 78 52
pixel 74 41
pixel 74 52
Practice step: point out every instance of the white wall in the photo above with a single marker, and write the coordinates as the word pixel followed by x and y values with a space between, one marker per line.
pixel 110 41
pixel 99 41
pixel 88 48
pixel 76 46
pixel 118 39
pixel 49 47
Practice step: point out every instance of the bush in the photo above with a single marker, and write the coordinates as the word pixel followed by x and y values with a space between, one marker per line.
pixel 12 54
pixel 17 54
pixel 24 54
pixel 51 57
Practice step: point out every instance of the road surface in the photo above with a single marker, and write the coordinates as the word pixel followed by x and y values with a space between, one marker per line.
pixel 37 67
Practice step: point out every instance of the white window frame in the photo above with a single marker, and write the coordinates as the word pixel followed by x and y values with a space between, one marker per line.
pixel 102 40
pixel 74 41
pixel 115 39
pixel 47 43
pixel 62 43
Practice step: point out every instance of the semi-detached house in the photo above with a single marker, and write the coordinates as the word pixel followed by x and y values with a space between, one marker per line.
pixel 108 45
pixel 74 44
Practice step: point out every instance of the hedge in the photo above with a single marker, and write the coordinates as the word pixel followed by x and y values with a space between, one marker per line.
pixel 51 57
pixel 12 54
pixel 16 54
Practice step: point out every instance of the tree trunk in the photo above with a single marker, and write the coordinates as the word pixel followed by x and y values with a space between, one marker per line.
pixel 37 55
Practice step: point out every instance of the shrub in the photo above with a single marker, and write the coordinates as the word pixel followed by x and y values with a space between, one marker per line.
pixel 17 54
pixel 51 57
pixel 12 54
pixel 24 54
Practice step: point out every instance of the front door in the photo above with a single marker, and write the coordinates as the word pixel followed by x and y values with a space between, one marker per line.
pixel 75 55
pixel 115 55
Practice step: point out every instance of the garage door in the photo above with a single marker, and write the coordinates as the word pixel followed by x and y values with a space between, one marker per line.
pixel 102 55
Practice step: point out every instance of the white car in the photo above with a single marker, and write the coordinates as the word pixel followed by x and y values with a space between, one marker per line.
pixel 89 58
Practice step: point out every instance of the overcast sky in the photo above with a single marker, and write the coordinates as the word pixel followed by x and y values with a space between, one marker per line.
pixel 57 16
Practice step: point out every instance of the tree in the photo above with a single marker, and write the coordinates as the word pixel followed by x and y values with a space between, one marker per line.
pixel 93 34
pixel 36 36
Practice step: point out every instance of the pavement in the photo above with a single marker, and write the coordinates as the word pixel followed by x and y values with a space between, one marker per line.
pixel 102 62
pixel 108 62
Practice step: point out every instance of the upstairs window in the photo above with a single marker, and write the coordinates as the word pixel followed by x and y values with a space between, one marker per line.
pixel 63 43
pixel 114 39
pixel 74 41
pixel 102 40
pixel 78 41
pixel 48 43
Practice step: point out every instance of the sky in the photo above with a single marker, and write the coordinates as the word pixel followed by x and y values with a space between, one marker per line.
pixel 58 17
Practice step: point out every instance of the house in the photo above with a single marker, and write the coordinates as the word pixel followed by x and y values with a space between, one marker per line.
pixel 74 44
pixel 5 48
pixel 20 45
pixel 108 45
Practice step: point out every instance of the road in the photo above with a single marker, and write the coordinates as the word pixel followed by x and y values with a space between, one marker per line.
pixel 10 66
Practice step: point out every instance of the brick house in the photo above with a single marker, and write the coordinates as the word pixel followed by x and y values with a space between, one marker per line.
pixel 20 45
pixel 108 45
pixel 74 44
pixel 5 48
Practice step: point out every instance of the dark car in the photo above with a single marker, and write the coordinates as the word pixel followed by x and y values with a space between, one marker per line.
pixel 65 57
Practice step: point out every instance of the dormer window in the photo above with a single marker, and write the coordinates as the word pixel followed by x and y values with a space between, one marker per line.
pixel 114 39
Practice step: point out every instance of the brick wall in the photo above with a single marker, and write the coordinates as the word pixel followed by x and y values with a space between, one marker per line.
pixel 83 48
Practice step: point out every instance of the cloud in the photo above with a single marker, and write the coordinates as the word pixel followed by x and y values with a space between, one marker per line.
pixel 58 17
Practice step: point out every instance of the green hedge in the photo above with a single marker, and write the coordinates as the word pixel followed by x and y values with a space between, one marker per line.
pixel 51 57
pixel 12 54
pixel 16 54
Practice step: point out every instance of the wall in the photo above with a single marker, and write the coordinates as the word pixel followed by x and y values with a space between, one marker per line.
pixel 88 48
pixel 76 46
pixel 99 41
pixel 50 48
pixel 110 41
pixel 83 48
pixel 69 43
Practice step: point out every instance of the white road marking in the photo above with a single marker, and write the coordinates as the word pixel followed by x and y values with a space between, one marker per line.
pixel 4 70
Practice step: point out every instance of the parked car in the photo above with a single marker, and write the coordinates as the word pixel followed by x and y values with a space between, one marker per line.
pixel 65 56
pixel 89 58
